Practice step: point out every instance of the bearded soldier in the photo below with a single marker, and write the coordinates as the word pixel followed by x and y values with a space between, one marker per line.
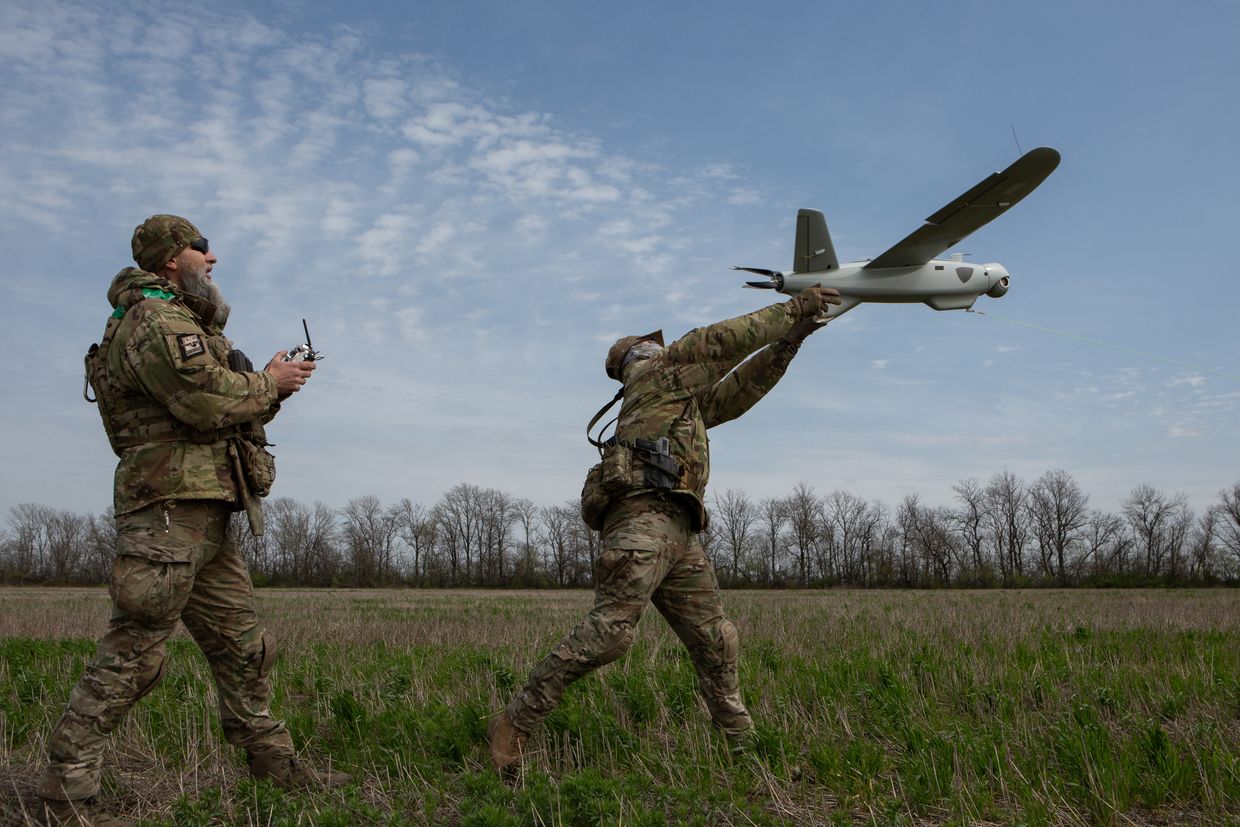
pixel 646 497
pixel 184 412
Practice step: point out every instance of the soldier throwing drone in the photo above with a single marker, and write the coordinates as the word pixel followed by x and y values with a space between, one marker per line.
pixel 646 496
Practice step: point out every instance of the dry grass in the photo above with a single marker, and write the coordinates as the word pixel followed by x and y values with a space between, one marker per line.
pixel 886 707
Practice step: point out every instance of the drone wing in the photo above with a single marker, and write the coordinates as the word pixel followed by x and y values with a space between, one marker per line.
pixel 976 208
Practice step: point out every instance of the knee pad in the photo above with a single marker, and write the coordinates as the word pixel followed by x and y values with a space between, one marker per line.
pixel 617 639
pixel 716 648
pixel 257 648
pixel 267 654
pixel 730 642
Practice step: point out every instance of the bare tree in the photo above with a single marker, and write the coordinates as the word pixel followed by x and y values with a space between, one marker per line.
pixel 370 533
pixel 526 513
pixel 772 516
pixel 1203 546
pixel 416 528
pixel 496 516
pixel 970 521
pixel 288 528
pixel 851 523
pixel 804 512
pixel 1107 544
pixel 1060 513
pixel 559 526
pixel 587 543
pixel 1158 522
pixel 100 547
pixel 323 556
pixel 28 540
pixel 457 519
pixel 735 519
pixel 1229 526
pixel 933 541
pixel 66 535
pixel 254 550
pixel 907 518
pixel 1006 515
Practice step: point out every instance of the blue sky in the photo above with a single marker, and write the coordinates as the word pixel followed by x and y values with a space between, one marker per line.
pixel 469 201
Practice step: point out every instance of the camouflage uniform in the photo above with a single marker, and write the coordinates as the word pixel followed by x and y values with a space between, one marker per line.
pixel 650 551
pixel 174 413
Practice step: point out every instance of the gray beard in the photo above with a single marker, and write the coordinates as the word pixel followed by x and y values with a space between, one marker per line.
pixel 195 282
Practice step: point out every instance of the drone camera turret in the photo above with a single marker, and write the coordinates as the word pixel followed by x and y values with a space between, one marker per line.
pixel 999 280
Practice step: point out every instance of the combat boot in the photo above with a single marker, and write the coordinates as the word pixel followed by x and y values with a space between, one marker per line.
pixel 742 742
pixel 288 773
pixel 51 812
pixel 507 743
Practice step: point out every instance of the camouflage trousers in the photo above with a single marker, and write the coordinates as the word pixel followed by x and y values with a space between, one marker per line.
pixel 174 563
pixel 649 555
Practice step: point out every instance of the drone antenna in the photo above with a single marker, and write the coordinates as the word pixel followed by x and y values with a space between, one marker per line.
pixel 1017 140
pixel 307 330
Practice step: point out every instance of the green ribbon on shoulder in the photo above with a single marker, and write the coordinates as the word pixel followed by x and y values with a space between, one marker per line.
pixel 147 292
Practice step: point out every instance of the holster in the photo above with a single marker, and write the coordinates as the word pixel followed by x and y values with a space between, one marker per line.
pixel 626 468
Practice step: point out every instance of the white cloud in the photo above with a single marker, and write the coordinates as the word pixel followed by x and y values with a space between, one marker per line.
pixel 1191 381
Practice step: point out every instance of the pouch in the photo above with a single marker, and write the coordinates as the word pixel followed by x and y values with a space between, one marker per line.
pixel 594 500
pixel 258 465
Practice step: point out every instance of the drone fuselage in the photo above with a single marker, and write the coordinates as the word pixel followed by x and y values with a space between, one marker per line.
pixel 942 284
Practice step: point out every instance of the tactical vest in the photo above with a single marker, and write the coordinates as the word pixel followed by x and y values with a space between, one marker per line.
pixel 636 466
pixel 130 417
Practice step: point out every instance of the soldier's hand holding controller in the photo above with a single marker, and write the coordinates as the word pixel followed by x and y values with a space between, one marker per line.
pixel 290 376
pixel 813 301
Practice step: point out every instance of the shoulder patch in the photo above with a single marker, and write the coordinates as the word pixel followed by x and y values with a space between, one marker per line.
pixel 190 345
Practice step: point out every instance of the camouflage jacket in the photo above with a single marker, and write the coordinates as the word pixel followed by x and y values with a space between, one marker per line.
pixel 691 385
pixel 168 399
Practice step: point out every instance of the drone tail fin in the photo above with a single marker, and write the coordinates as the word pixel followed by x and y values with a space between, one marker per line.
pixel 813 251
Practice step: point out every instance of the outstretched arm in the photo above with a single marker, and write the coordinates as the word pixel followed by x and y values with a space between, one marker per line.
pixel 741 389
pixel 710 352
pixel 724 344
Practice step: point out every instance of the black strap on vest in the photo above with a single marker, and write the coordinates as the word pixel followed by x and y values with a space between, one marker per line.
pixel 598 443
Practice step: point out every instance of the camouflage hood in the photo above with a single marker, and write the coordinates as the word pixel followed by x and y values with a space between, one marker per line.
pixel 126 288
pixel 131 285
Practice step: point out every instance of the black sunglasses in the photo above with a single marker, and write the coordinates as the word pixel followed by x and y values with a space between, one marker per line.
pixel 201 245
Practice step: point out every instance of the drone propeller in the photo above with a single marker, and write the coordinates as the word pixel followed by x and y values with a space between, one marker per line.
pixel 776 278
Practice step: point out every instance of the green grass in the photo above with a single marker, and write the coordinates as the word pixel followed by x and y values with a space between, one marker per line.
pixel 883 708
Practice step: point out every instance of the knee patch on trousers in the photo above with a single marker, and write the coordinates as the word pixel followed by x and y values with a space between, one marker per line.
pixel 731 642
pixel 620 638
pixel 268 657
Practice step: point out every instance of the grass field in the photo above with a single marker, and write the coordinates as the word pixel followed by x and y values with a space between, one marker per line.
pixel 943 707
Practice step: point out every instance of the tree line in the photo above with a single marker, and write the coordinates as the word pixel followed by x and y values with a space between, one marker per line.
pixel 1004 532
